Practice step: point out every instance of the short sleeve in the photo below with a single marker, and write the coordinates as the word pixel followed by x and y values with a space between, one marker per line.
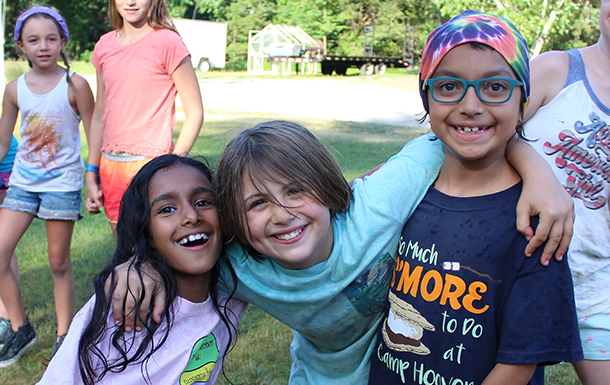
pixel 174 51
pixel 538 322
pixel 97 52
pixel 64 367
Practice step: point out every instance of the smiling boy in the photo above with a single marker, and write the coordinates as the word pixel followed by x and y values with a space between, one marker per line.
pixel 465 305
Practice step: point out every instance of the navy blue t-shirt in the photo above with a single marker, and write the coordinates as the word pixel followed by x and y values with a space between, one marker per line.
pixel 464 296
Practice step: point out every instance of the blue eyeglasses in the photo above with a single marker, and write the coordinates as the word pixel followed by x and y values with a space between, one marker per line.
pixel 489 90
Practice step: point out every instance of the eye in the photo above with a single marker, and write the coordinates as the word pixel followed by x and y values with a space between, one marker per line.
pixel 255 203
pixel 203 203
pixel 294 190
pixel 495 86
pixel 166 210
pixel 447 86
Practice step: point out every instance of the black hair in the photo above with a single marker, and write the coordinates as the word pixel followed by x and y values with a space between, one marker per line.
pixel 135 246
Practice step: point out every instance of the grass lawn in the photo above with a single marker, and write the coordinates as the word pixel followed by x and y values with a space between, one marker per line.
pixel 261 355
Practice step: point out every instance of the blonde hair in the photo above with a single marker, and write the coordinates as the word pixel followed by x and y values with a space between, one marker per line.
pixel 284 152
pixel 158 15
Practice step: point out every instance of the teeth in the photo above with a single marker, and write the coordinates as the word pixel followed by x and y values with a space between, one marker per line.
pixel 471 129
pixel 193 238
pixel 289 236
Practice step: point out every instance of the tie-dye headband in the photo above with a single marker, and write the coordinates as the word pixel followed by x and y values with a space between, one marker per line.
pixel 474 26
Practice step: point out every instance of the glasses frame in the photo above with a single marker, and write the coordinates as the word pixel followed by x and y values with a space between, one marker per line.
pixel 475 84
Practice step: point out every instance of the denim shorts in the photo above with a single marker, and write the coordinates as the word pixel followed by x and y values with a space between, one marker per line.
pixel 595 335
pixel 45 205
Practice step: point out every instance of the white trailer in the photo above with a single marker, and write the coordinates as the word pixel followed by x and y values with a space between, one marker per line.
pixel 205 40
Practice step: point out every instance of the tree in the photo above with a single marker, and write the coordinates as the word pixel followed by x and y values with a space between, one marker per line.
pixel 86 20
pixel 545 24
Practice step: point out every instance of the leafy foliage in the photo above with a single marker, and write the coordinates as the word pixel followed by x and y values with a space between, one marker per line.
pixel 546 24
pixel 86 20
pixel 553 24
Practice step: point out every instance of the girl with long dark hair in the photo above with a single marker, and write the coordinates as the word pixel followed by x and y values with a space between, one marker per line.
pixel 169 221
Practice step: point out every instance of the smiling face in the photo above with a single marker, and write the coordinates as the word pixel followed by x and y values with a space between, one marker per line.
pixel 287 224
pixel 134 12
pixel 41 41
pixel 184 226
pixel 470 129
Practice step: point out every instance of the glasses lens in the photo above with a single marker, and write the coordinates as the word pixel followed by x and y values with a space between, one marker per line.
pixel 447 90
pixel 494 90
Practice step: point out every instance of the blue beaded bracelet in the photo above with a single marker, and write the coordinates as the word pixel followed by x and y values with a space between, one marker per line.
pixel 93 168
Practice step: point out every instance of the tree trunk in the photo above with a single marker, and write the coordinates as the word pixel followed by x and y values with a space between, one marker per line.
pixel 545 30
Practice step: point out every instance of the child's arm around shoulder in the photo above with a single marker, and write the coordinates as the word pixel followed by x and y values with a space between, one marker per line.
pixel 10 111
pixel 549 73
pixel 510 374
pixel 415 166
pixel 544 196
pixel 397 187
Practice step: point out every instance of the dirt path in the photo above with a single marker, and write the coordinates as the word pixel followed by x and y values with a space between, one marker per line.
pixel 383 100
pixel 341 99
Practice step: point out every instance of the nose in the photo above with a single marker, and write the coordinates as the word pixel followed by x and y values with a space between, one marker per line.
pixel 190 216
pixel 280 214
pixel 470 103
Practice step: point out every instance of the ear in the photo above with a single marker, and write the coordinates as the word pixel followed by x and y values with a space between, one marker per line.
pixel 19 44
pixel 63 42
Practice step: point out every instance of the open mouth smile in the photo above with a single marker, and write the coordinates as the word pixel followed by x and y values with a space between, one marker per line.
pixel 194 240
pixel 470 130
pixel 291 235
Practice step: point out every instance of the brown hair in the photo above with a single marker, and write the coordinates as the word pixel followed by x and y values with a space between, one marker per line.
pixel 158 15
pixel 286 153
pixel 62 53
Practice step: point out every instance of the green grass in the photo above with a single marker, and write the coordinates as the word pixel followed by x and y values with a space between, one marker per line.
pixel 14 68
pixel 261 355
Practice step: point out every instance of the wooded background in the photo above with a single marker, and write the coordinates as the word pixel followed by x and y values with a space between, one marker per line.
pixel 546 24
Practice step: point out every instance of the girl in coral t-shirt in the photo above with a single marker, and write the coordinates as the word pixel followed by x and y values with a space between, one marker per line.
pixel 141 66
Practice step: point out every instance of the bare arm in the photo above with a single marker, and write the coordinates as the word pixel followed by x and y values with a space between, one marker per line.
pixel 507 374
pixel 126 291
pixel 549 73
pixel 94 200
pixel 10 111
pixel 188 88
pixel 542 195
pixel 83 98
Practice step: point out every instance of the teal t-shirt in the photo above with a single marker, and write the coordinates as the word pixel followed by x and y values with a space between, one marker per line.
pixel 335 306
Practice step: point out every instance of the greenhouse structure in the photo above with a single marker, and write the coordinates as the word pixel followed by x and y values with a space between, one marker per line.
pixel 286 44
